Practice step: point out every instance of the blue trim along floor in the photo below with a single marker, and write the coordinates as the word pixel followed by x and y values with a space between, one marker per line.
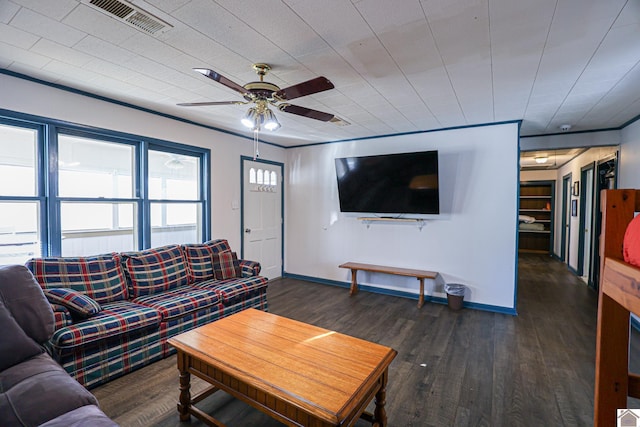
pixel 410 295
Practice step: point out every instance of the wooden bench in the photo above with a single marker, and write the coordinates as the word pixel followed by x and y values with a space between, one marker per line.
pixel 419 274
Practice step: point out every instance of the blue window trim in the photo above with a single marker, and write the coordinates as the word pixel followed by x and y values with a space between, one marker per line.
pixel 47 164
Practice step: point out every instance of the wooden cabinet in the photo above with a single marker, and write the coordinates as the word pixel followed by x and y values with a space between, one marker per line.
pixel 536 202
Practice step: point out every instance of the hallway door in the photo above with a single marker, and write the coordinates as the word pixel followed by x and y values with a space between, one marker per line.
pixel 586 224
pixel 606 178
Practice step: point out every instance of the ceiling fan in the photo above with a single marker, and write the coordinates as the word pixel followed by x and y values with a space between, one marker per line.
pixel 262 94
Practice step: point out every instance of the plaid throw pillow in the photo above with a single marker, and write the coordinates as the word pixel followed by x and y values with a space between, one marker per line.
pixel 76 302
pixel 199 258
pixel 226 265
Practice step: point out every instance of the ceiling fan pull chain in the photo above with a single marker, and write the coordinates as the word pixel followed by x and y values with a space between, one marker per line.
pixel 256 152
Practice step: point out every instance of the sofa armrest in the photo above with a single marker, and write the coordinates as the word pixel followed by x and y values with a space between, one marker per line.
pixel 61 315
pixel 249 268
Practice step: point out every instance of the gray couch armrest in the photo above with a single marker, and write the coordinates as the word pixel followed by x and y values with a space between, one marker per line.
pixel 23 296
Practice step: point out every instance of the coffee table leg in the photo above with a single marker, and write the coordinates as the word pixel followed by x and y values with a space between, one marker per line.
pixel 185 384
pixel 380 414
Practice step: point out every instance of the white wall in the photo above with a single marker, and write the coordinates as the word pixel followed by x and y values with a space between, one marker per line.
pixel 629 164
pixel 41 100
pixel 472 241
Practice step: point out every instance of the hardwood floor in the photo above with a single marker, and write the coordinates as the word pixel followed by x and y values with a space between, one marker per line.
pixel 466 368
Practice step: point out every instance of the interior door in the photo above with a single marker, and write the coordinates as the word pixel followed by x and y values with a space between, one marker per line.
pixel 262 222
pixel 606 178
pixel 586 224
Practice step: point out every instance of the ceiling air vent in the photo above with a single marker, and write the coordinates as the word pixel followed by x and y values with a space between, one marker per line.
pixel 132 15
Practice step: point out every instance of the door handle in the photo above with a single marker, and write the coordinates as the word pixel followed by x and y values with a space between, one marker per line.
pixel 247 230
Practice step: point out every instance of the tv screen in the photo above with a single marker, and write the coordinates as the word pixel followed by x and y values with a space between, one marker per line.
pixel 405 183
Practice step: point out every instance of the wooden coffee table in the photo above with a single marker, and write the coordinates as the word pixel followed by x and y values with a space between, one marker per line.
pixel 297 373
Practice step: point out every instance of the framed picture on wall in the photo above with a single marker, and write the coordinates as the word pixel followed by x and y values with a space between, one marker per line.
pixel 576 188
pixel 574 207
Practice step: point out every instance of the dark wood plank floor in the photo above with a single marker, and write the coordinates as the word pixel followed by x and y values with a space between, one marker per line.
pixel 466 368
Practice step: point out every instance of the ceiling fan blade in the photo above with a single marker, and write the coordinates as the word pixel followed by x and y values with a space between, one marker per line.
pixel 221 79
pixel 202 104
pixel 306 112
pixel 309 87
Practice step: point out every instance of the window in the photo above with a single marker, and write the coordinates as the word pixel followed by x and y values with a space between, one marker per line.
pixel 19 194
pixel 175 195
pixel 263 180
pixel 92 173
pixel 108 192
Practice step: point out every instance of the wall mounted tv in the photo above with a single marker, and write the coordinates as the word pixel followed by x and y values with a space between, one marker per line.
pixel 390 184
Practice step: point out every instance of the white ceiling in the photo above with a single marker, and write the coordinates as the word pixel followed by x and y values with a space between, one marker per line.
pixel 398 66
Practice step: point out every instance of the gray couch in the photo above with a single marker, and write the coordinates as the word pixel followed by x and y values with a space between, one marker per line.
pixel 34 389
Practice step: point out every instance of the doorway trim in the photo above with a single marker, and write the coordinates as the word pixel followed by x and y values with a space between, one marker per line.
pixel 565 233
pixel 242 190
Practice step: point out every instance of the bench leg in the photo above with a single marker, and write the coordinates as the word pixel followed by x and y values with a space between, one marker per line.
pixel 421 296
pixel 354 282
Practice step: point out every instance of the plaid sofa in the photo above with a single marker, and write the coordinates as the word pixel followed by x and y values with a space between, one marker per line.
pixel 114 312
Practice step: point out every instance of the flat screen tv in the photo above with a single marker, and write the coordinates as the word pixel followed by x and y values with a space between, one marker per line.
pixel 390 184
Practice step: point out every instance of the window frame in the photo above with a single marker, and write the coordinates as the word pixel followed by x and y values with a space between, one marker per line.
pixel 50 227
pixel 40 178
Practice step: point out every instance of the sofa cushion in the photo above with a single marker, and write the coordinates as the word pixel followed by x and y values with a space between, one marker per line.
pixel 15 345
pixel 38 390
pixel 180 301
pixel 200 258
pixel 115 318
pixel 155 270
pixel 226 265
pixel 100 277
pixel 75 301
pixel 232 290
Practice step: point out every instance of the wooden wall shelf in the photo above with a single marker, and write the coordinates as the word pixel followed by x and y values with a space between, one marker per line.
pixel 368 220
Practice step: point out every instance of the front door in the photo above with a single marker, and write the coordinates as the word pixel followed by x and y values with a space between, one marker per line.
pixel 262 221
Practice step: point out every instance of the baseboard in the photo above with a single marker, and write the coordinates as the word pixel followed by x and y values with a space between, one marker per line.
pixel 402 294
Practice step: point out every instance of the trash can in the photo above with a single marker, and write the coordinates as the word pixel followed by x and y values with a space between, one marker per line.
pixel 455 295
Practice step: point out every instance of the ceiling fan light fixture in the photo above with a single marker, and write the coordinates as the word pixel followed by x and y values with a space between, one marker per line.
pixel 250 119
pixel 541 159
pixel 271 123
pixel 264 94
